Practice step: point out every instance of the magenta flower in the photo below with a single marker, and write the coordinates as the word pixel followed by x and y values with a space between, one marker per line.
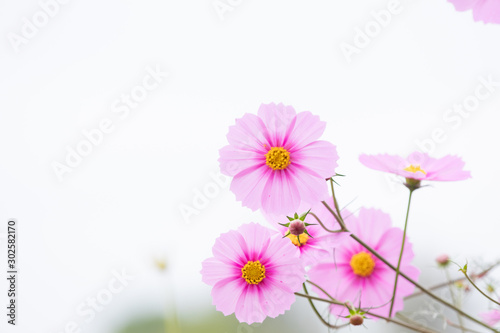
pixel 276 160
pixel 418 166
pixel 491 317
pixel 487 11
pixel 360 278
pixel 254 273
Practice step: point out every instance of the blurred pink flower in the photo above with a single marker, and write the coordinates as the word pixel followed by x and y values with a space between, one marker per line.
pixel 254 273
pixel 419 166
pixel 276 160
pixel 443 260
pixel 487 11
pixel 491 317
pixel 360 278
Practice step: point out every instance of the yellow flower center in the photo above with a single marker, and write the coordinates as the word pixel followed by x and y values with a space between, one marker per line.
pixel 253 272
pixel 362 264
pixel 278 158
pixel 303 239
pixel 414 169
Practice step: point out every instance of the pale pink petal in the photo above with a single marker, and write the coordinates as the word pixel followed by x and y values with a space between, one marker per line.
pixel 256 238
pixel 487 11
pixel 447 168
pixel 225 294
pixel 462 5
pixel 280 195
pixel 249 133
pixel 491 317
pixel 277 297
pixel 277 119
pixel 248 309
pixel 370 225
pixel 230 248
pixel 384 162
pixel 279 252
pixel 319 156
pixel 312 189
pixel 214 270
pixel 389 246
pixel 307 128
pixel 232 160
pixel 249 184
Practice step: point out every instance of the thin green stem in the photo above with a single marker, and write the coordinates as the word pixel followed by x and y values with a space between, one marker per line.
pixel 400 256
pixel 324 227
pixel 477 288
pixel 425 291
pixel 337 218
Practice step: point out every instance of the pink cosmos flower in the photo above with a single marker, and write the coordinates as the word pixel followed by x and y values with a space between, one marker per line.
pixel 254 273
pixel 487 11
pixel 319 245
pixel 418 166
pixel 359 277
pixel 491 317
pixel 276 160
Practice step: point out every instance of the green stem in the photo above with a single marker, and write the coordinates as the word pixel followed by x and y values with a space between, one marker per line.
pixel 477 288
pixel 324 227
pixel 400 256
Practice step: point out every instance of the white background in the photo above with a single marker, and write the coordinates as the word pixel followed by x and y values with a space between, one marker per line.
pixel 119 209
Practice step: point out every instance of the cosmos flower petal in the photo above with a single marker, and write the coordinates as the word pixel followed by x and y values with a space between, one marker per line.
pixel 214 270
pixel 232 160
pixel 225 294
pixel 248 308
pixel 249 184
pixel 491 317
pixel 462 5
pixel 487 11
pixel 257 239
pixel 389 246
pixel 385 162
pixel 280 194
pixel 248 134
pixel 277 119
pixel 307 129
pixel 317 156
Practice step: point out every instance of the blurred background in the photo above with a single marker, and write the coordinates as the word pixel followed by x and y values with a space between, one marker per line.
pixel 112 114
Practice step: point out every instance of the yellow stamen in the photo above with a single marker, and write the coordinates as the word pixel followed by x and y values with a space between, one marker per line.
pixel 362 264
pixel 278 158
pixel 414 169
pixel 253 272
pixel 303 239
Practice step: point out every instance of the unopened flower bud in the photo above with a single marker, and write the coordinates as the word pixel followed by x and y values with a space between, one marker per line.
pixel 443 260
pixel 297 227
pixel 356 320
